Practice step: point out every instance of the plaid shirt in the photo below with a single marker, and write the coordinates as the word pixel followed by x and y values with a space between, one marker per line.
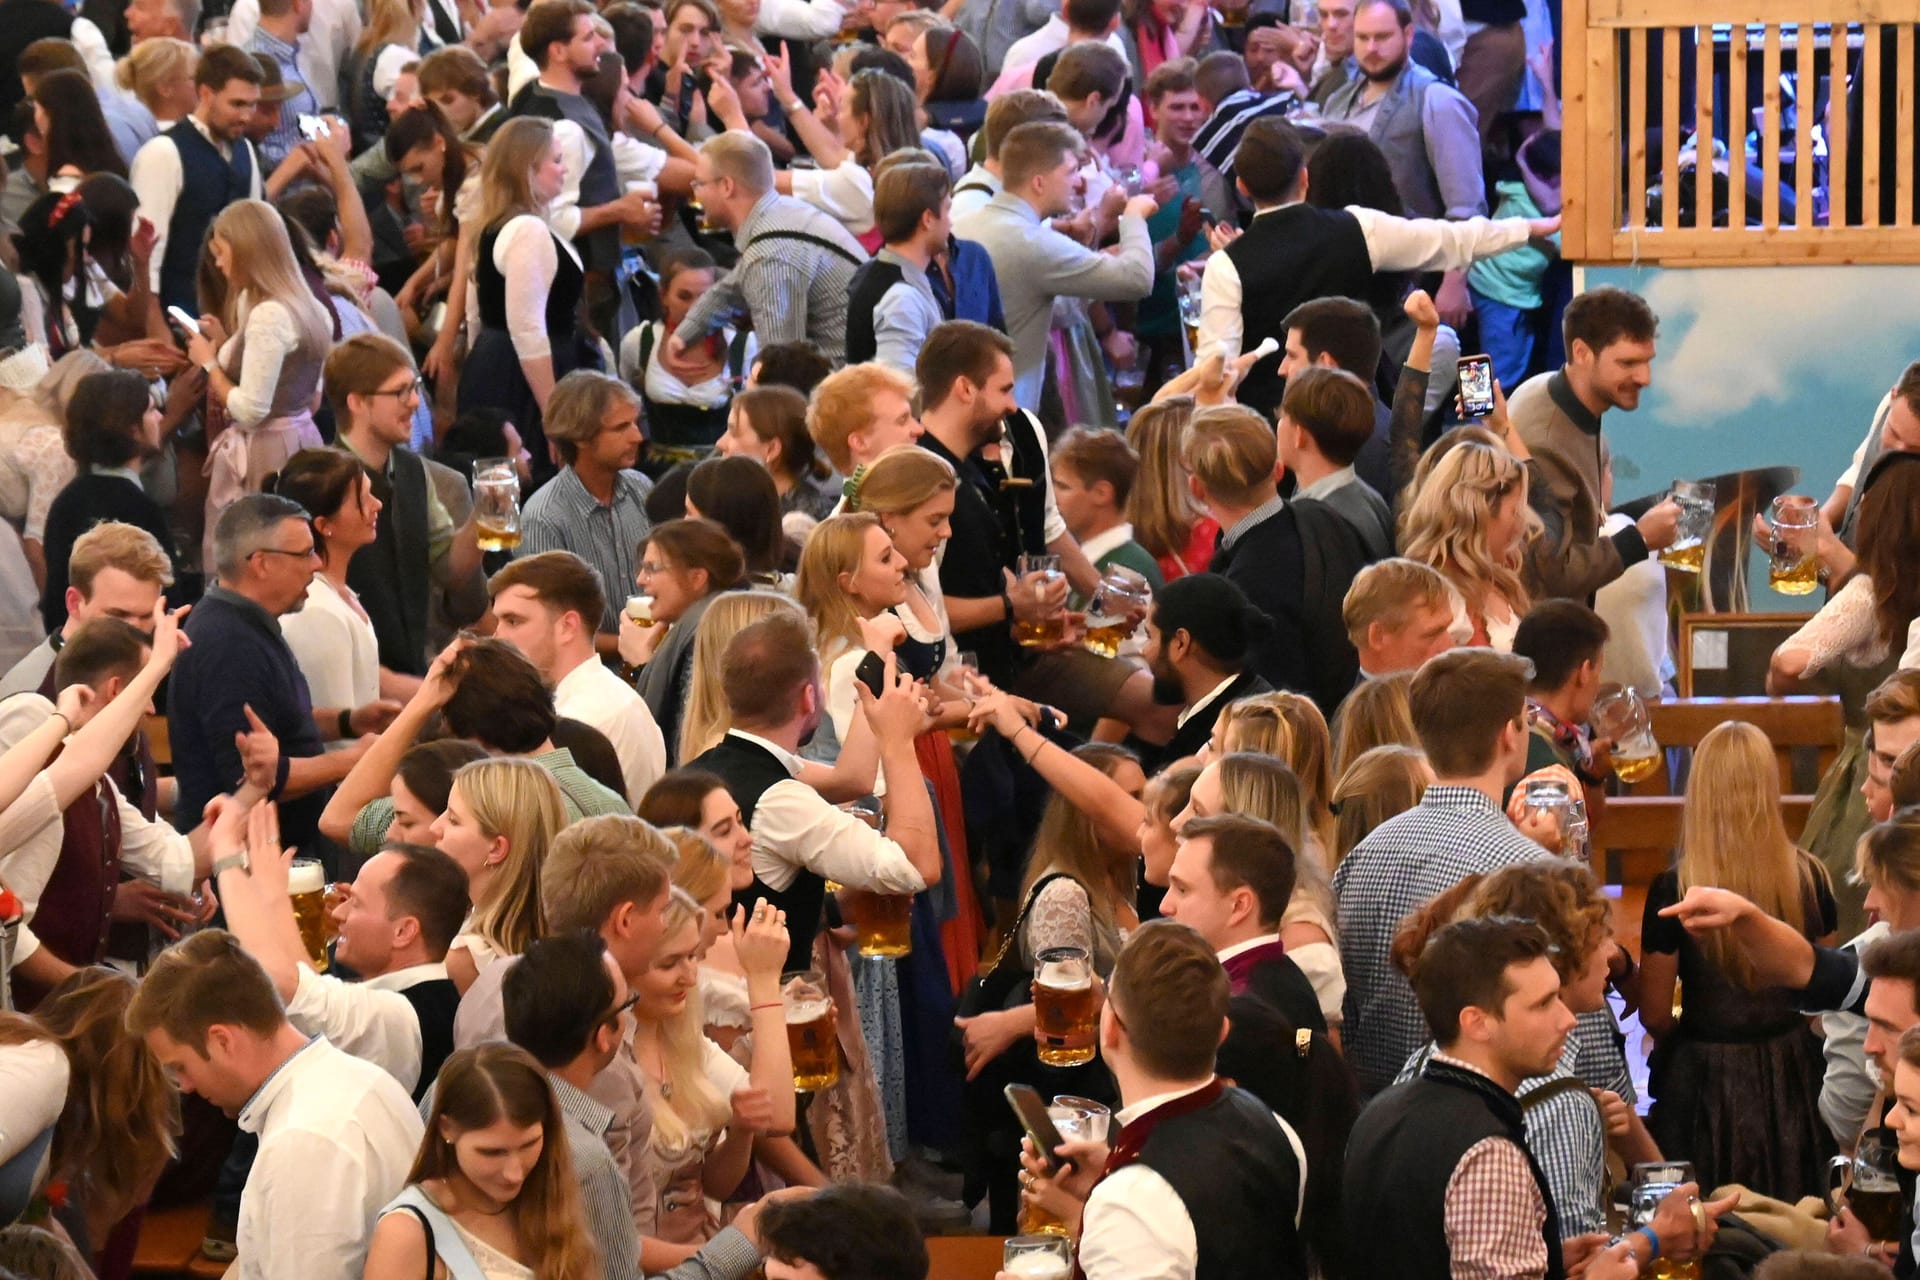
pixel 563 516
pixel 1454 832
pixel 286 135
pixel 1568 1138
pixel 792 283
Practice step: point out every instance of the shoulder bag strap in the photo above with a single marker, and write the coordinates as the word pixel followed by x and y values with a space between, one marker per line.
pixel 1026 908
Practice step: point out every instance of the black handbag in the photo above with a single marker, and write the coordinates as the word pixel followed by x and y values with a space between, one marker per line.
pixel 1007 983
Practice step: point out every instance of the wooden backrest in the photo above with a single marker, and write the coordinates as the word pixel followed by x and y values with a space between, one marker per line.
pixel 963 1257
pixel 1634 837
pixel 160 741
pixel 1813 723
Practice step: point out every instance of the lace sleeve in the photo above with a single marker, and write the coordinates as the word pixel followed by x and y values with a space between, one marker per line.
pixel 1844 628
pixel 1062 916
pixel 43 456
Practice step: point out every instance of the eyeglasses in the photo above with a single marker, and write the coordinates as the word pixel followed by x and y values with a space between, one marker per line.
pixel 650 568
pixel 632 999
pixel 308 554
pixel 418 387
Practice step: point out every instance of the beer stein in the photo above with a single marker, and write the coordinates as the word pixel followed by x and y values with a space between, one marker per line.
pixel 811 1036
pixel 1121 597
pixel 496 504
pixel 1037 1257
pixel 1066 1007
pixel 1550 798
pixel 307 888
pixel 1622 715
pixel 1792 568
pixel 1689 550
pixel 1652 1183
pixel 1050 630
pixel 1868 1184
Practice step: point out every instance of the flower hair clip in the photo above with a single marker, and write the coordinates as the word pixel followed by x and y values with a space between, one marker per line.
pixel 61 209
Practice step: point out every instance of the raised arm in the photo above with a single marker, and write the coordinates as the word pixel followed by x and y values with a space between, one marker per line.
pixel 1117 814
pixel 373 773
pixel 897 719
pixel 255 900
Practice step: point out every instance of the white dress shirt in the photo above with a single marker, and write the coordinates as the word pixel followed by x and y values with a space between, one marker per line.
pixel 594 695
pixel 1393 244
pixel 633 161
pixel 1204 701
pixel 794 828
pixel 370 1019
pixel 33 1084
pixel 1136 1227
pixel 337 1136
pixel 335 647
pixel 158 178
pixel 845 192
pixel 800 19
pixel 323 49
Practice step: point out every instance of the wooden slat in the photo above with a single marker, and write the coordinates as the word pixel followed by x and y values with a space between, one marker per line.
pixel 1580 232
pixel 1803 53
pixel 1649 826
pixel 1770 132
pixel 1603 161
pixel 1703 128
pixel 1786 245
pixel 1613 14
pixel 1903 130
pixel 964 1257
pixel 1737 129
pixel 1870 126
pixel 1837 62
pixel 1788 722
pixel 1636 210
pixel 1670 128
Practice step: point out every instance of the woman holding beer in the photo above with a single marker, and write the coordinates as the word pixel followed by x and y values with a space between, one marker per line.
pixel 500 817
pixel 1736 1075
pixel 684 565
pixel 492 1189
pixel 707 1109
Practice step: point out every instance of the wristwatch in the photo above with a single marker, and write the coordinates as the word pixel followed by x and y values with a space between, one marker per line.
pixel 232 862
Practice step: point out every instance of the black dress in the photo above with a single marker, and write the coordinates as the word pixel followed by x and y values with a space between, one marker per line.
pixel 1736 1086
pixel 492 376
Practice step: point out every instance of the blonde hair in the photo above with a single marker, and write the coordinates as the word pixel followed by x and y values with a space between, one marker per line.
pixel 517 799
pixel 1376 713
pixel 1289 726
pixel 1446 527
pixel 1255 724
pixel 113 544
pixel 837 545
pixel 152 63
pixel 1382 782
pixel 1160 508
pixel 705 719
pixel 699 869
pixel 900 480
pixel 1258 786
pixel 843 403
pixel 686 1106
pixel 263 269
pixel 389 22
pixel 1732 837
pixel 1387 592
pixel 1068 841
pixel 506 174
pixel 1231 450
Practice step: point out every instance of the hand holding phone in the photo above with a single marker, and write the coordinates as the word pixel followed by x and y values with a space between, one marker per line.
pixel 1031 1110
pixel 1476 386
pixel 180 318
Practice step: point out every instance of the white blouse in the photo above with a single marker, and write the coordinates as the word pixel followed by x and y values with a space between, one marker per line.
pixel 662 386
pixel 34 467
pixel 272 335
pixel 1846 629
pixel 844 191
pixel 527 254
pixel 334 645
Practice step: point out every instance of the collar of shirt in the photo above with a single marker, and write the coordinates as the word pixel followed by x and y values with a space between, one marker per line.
pixel 1241 948
pixel 788 761
pixel 1329 483
pixel 1454 1062
pixel 276 48
pixel 411 976
pixel 1104 544
pixel 581 679
pixel 1204 702
pixel 1265 511
pixel 1127 1115
pixel 341 441
pixel 574 493
pixel 224 148
pixel 762 209
pixel 251 609
pixel 982 175
pixel 580 1108
pixel 254 1116
pixel 125 473
pixel 1275 208
pixel 1441 796
pixel 913 271
pixel 1561 390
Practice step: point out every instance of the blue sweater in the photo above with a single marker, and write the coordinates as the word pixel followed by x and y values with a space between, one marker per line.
pixel 238 660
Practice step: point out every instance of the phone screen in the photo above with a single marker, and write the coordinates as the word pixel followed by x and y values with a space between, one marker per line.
pixel 1476 386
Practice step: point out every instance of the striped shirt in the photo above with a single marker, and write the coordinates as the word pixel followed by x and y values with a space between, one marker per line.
pixel 791 281
pixel 603 1188
pixel 1454 832
pixel 286 135
pixel 1220 136
pixel 563 516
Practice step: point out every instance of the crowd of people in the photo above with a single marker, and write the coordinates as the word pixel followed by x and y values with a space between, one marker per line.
pixel 732 583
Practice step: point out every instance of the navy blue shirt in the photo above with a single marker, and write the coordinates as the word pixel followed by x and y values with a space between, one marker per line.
pixel 238 660
pixel 976 290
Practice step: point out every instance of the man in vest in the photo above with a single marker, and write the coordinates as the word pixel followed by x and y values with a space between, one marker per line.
pixel 196 168
pixel 1326 423
pixel 1294 251
pixel 559 36
pixel 407 904
pixel 1203 1181
pixel 891 303
pixel 771 679
pixel 374 389
pixel 1444 1156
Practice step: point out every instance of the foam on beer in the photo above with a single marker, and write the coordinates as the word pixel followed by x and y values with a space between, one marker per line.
pixel 1038 1266
pixel 805 1011
pixel 1064 977
pixel 306 877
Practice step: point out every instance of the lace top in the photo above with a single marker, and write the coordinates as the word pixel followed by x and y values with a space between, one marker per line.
pixel 494 1265
pixel 1062 916
pixel 1845 630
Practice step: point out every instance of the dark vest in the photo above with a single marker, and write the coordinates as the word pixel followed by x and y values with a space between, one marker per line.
pixel 600 184
pixel 1332 553
pixel 210 182
pixel 434 1003
pixel 870 284
pixel 390 575
pixel 563 292
pixel 73 918
pixel 688 426
pixel 1403 1152
pixel 1288 257
pixel 749 769
pixel 1236 1174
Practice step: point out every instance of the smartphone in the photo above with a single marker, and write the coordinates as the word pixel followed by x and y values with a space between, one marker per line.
pixel 1032 1112
pixel 1476 386
pixel 314 128
pixel 872 672
pixel 180 317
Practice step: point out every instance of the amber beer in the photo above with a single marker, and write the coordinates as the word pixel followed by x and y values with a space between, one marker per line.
pixel 1105 638
pixel 1066 1008
pixel 1796 580
pixel 1636 758
pixel 307 888
pixel 885 922
pixel 1047 631
pixel 496 504
pixel 495 537
pixel 640 610
pixel 811 1036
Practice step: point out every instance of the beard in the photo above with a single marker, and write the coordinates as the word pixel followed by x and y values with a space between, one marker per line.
pixel 1388 73
pixel 1167 691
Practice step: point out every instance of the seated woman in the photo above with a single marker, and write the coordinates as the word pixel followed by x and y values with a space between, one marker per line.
pixel 686 399
pixel 492 1192
pixel 1165 518
pixel 769 424
pixel 685 564
pixel 1736 1075
pixel 707 1109
pixel 112 428
pixel 501 815
pixel 739 495
pixel 1470 520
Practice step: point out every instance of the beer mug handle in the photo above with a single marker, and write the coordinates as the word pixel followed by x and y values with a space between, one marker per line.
pixel 1839 1182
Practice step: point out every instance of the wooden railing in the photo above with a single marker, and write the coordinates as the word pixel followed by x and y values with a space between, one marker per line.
pixel 1828 183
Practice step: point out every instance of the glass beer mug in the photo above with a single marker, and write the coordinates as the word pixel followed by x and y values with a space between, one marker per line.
pixel 1066 1008
pixel 1653 1183
pixel 496 504
pixel 1867 1183
pixel 1037 1257
pixel 811 1036
pixel 1623 716
pixel 1689 550
pixel 1050 630
pixel 1792 568
pixel 307 889
pixel 1550 798
pixel 1122 596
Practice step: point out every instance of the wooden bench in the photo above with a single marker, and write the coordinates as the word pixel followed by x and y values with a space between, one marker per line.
pixel 169 1244
pixel 1645 831
pixel 160 740
pixel 963 1257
